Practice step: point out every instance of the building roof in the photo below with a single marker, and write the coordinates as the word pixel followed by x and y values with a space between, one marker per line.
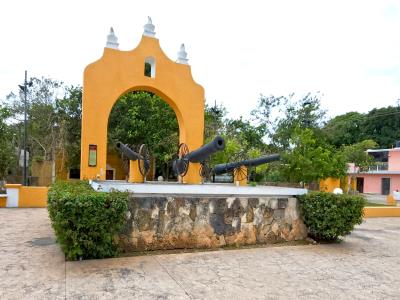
pixel 382 150
pixel 376 173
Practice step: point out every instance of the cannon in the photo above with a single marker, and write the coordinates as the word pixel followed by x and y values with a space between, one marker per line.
pixel 236 166
pixel 143 157
pixel 200 155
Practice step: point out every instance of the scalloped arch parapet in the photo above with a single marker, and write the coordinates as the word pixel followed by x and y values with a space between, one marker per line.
pixel 118 72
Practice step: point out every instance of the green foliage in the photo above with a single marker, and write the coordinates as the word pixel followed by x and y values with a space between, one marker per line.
pixel 249 135
pixel 85 221
pixel 242 138
pixel 7 153
pixel 311 159
pixel 214 117
pixel 280 116
pixel 344 129
pixel 329 216
pixel 54 121
pixel 382 125
pixel 356 154
pixel 144 118
pixel 69 118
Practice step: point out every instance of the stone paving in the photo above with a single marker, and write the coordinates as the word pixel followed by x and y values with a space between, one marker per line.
pixel 365 266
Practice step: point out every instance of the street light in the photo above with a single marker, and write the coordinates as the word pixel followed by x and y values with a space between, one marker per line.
pixel 24 88
pixel 306 118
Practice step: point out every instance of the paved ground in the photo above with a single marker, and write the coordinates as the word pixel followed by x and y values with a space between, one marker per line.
pixel 365 266
pixel 375 198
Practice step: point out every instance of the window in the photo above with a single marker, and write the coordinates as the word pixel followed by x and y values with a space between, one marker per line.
pixel 150 67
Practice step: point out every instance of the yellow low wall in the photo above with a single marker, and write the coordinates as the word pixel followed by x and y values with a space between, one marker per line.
pixel 32 196
pixel 28 196
pixel 3 201
pixel 381 211
pixel 329 184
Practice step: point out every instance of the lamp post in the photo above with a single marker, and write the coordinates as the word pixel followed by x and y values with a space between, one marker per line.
pixel 306 118
pixel 24 88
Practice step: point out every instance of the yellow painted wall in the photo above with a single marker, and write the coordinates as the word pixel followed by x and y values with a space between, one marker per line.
pixel 33 196
pixel 344 184
pixel 118 72
pixel 353 183
pixel 390 200
pixel 115 162
pixel 30 196
pixel 3 201
pixel 134 172
pixel 381 211
pixel 329 184
pixel 42 170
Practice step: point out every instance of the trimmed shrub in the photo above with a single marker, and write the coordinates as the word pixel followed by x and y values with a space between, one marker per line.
pixel 85 221
pixel 329 216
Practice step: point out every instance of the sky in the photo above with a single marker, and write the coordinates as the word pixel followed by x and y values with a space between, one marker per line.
pixel 347 51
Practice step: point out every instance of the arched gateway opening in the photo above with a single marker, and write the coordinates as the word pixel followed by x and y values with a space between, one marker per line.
pixel 145 68
pixel 138 118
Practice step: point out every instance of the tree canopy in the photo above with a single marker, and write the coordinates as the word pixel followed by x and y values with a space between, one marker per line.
pixel 144 118
pixel 312 147
pixel 7 153
pixel 310 159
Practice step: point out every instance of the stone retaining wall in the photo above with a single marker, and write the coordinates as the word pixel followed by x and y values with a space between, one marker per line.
pixel 205 222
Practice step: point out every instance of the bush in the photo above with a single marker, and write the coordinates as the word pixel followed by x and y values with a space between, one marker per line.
pixel 85 221
pixel 328 216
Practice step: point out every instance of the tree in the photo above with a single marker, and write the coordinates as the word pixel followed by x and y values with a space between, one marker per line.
pixel 356 154
pixel 382 125
pixel 310 158
pixel 54 122
pixel 42 127
pixel 214 121
pixel 7 151
pixel 68 112
pixel 249 135
pixel 144 118
pixel 242 139
pixel 282 115
pixel 345 129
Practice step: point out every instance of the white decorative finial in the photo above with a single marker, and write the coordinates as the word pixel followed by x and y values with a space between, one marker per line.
pixel 149 28
pixel 182 56
pixel 112 40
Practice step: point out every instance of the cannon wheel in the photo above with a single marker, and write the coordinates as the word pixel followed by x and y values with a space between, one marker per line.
pixel 144 160
pixel 239 173
pixel 183 150
pixel 205 170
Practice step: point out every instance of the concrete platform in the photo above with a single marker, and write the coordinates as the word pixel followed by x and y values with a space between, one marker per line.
pixel 198 190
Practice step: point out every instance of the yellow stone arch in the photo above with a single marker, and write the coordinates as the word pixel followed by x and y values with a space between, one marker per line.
pixel 118 72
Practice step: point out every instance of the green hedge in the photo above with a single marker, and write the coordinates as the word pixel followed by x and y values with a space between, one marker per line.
pixel 85 221
pixel 329 216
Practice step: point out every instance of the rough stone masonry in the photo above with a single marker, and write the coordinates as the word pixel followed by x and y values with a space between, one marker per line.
pixel 155 223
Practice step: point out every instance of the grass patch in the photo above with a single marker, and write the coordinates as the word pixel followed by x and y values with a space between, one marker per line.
pixel 377 204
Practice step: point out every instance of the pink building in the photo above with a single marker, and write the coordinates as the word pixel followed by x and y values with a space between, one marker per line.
pixel 384 176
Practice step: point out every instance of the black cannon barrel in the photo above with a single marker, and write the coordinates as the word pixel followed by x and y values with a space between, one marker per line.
pixel 229 167
pixel 128 152
pixel 204 152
